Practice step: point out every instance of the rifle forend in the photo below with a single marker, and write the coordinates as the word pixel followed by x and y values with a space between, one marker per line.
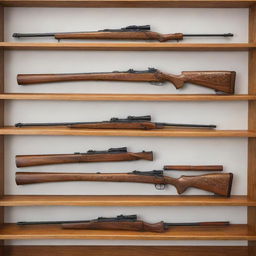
pixel 220 81
pixel 218 183
pixel 110 155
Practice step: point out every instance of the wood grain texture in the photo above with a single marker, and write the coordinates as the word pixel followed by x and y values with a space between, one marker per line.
pixel 9 130
pixel 131 3
pixel 126 250
pixel 126 97
pixel 128 46
pixel 231 232
pixel 124 200
pixel 252 125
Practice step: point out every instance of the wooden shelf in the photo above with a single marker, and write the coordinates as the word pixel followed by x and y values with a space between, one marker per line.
pixel 232 232
pixel 10 130
pixel 75 250
pixel 67 200
pixel 130 3
pixel 145 46
pixel 126 97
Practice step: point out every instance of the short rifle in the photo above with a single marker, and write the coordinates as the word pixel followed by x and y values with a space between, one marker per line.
pixel 132 32
pixel 131 122
pixel 214 168
pixel 218 183
pixel 121 222
pixel 220 81
pixel 110 155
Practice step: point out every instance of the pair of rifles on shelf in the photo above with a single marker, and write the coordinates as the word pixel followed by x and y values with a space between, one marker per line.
pixel 220 81
pixel 217 183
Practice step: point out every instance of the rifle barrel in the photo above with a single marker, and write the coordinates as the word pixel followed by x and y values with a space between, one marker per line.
pixel 211 126
pixel 23 223
pixel 33 34
pixel 210 35
pixel 214 223
pixel 47 124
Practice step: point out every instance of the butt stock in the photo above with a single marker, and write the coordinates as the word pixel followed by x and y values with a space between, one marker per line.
pixel 220 81
pixel 38 160
pixel 214 168
pixel 217 183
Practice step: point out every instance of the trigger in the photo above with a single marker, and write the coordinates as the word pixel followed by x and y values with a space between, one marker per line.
pixel 157 83
pixel 219 92
pixel 160 186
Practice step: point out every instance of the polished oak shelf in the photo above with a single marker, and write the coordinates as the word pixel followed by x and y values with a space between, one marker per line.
pixel 148 200
pixel 145 46
pixel 10 130
pixel 131 3
pixel 231 232
pixel 126 97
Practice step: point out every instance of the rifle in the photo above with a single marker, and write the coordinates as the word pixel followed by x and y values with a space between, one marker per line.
pixel 220 81
pixel 131 122
pixel 121 222
pixel 132 32
pixel 110 155
pixel 218 183
pixel 214 168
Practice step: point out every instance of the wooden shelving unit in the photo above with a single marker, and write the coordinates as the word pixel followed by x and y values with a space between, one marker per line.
pixel 232 232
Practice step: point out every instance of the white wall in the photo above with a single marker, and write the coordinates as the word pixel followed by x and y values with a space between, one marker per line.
pixel 231 152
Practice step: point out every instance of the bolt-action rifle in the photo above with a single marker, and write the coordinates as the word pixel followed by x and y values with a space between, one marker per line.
pixel 121 222
pixel 110 155
pixel 218 183
pixel 131 122
pixel 132 32
pixel 220 81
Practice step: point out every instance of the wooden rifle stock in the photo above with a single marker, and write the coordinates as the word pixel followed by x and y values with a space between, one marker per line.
pixel 37 160
pixel 115 225
pixel 130 35
pixel 139 125
pixel 215 168
pixel 222 81
pixel 218 183
pixel 142 226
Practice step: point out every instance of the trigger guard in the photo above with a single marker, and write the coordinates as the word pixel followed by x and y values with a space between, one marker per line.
pixel 160 186
pixel 157 83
